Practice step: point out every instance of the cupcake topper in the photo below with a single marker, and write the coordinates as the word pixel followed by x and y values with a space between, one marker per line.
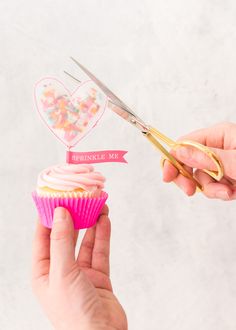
pixel 70 116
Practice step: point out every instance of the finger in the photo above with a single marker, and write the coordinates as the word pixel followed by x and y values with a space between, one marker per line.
pixel 41 252
pixel 186 184
pixel 225 180
pixel 86 249
pixel 233 194
pixel 101 250
pixel 105 210
pixel 62 243
pixel 213 189
pixel 169 172
pixel 213 136
pixel 228 158
pixel 197 159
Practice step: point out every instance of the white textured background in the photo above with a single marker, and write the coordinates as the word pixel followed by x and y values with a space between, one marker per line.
pixel 174 62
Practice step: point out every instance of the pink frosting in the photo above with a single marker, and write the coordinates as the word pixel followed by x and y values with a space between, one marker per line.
pixel 68 177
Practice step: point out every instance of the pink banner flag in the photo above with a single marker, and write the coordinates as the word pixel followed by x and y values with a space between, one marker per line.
pixel 105 156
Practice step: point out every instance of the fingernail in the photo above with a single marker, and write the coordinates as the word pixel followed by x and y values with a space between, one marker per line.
pixel 188 192
pixel 222 194
pixel 59 214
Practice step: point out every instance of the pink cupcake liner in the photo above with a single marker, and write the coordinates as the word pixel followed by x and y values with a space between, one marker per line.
pixel 84 210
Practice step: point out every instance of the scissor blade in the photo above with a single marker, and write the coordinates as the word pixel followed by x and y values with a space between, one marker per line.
pixel 128 116
pixel 104 88
pixel 118 106
pixel 115 107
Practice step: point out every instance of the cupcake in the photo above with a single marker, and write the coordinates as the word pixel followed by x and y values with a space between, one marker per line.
pixel 77 187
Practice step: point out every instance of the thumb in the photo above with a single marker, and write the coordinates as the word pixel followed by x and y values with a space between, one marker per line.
pixel 198 159
pixel 62 244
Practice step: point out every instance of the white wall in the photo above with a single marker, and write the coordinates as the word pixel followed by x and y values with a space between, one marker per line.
pixel 174 62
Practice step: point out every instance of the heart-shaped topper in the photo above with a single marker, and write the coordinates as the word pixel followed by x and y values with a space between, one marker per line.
pixel 70 116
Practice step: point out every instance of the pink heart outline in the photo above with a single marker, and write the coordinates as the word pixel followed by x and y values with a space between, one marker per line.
pixel 70 95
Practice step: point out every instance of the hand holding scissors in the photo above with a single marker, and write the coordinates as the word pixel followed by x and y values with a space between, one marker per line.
pixel 154 136
pixel 221 138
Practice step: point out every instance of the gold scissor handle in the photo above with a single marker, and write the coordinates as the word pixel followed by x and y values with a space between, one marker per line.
pixel 219 173
pixel 152 134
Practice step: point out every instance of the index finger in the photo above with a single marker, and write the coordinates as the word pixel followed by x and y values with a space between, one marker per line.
pixel 214 136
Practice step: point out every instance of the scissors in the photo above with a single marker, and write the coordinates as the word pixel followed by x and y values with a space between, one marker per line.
pixel 153 135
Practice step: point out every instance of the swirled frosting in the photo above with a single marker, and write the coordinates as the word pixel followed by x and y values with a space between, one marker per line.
pixel 70 177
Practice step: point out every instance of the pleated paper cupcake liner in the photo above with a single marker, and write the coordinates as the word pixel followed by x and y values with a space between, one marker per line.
pixel 84 210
